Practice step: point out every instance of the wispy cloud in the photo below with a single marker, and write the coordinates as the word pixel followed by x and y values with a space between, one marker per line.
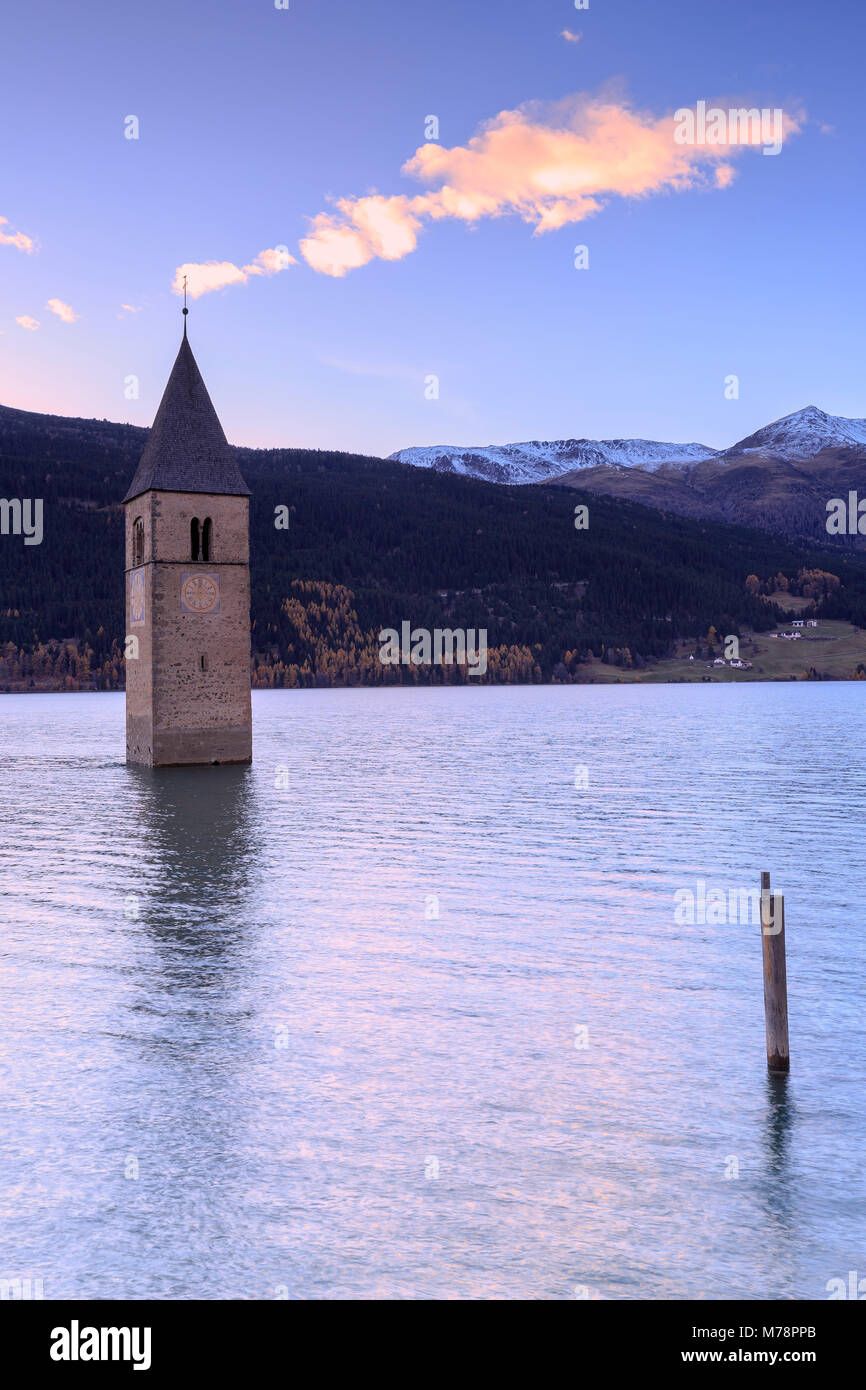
pixel 63 311
pixel 130 309
pixel 207 276
pixel 19 239
pixel 388 371
pixel 550 165
pixel 570 36
pixel 27 322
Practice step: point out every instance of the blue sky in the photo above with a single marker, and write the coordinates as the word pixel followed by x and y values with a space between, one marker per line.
pixel 254 121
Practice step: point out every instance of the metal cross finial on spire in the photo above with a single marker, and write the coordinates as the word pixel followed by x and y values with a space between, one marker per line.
pixel 185 309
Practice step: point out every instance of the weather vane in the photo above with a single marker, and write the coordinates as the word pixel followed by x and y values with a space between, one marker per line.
pixel 185 309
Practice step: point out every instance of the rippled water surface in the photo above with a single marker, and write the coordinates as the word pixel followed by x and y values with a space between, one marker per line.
pixel 234 983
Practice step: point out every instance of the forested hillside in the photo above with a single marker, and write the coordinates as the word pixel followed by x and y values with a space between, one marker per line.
pixel 371 543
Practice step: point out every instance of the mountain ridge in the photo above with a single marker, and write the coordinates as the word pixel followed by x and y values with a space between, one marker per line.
pixel 779 478
pixel 543 460
pixel 795 437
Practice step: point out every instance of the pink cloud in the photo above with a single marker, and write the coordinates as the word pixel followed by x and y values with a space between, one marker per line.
pixel 362 229
pixel 63 311
pixel 271 261
pixel 207 276
pixel 19 239
pixel 549 165
pixel 27 322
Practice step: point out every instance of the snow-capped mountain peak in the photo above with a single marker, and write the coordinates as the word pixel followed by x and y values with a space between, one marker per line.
pixel 536 460
pixel 801 435
pixel 796 438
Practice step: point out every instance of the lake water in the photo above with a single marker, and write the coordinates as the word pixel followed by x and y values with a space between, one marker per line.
pixel 243 1057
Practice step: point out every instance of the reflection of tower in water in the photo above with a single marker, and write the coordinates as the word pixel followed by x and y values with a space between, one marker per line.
pixel 196 861
pixel 191 1039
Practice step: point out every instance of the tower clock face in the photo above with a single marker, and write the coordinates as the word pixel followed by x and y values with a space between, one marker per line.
pixel 200 593
pixel 136 598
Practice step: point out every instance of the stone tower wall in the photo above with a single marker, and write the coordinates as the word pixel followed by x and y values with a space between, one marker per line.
pixel 188 691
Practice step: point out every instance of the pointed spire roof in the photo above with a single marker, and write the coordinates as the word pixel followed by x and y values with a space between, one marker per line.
pixel 186 450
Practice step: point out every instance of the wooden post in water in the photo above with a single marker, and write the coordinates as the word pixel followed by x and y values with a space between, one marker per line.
pixel 775 977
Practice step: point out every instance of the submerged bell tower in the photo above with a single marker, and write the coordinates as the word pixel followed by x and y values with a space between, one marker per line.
pixel 187 586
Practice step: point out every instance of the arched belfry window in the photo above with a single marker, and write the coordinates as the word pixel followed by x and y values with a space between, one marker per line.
pixel 206 538
pixel 138 541
pixel 194 539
